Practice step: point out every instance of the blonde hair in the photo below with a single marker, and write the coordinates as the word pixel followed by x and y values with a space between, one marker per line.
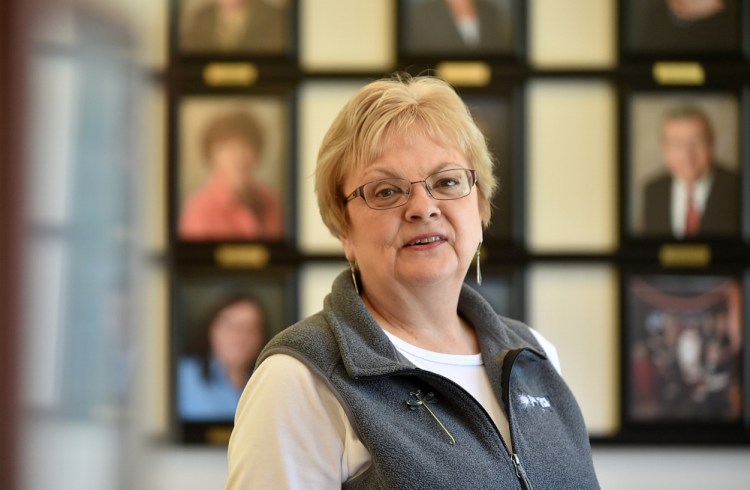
pixel 405 106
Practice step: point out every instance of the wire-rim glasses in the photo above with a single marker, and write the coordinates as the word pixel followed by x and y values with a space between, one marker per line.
pixel 445 185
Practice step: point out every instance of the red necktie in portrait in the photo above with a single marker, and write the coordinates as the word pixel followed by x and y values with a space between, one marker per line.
pixel 692 217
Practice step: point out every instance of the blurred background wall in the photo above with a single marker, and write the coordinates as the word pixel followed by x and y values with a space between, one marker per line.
pixel 85 346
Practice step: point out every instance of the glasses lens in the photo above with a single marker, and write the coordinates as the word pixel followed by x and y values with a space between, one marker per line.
pixel 387 193
pixel 450 184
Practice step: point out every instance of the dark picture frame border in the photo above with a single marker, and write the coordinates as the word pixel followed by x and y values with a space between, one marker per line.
pixel 204 251
pixel 498 278
pixel 229 281
pixel 505 233
pixel 689 432
pixel 726 248
pixel 178 55
pixel 516 55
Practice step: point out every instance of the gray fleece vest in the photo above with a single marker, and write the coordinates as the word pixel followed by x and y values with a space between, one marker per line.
pixel 425 431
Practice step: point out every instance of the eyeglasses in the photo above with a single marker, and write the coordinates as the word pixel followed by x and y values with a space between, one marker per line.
pixel 392 193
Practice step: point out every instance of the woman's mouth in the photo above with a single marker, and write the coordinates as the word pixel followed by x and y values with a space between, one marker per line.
pixel 425 240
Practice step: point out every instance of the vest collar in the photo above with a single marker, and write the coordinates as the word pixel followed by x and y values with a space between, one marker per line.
pixel 366 350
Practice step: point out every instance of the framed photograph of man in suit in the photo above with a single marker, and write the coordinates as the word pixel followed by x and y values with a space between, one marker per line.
pixel 683 344
pixel 682 28
pixel 683 165
pixel 456 29
pixel 234 27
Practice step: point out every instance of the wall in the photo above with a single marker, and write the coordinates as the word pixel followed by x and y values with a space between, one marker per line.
pixel 572 167
pixel 572 132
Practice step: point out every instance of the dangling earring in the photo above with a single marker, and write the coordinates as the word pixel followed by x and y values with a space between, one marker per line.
pixel 479 268
pixel 354 276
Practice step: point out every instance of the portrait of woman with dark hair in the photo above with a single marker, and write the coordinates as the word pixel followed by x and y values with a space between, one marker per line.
pixel 211 376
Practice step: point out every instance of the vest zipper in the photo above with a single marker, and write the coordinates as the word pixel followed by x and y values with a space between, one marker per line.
pixel 510 359
pixel 510 451
pixel 520 473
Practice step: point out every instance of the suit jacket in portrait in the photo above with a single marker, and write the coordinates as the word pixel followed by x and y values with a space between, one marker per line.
pixel 431 30
pixel 721 216
pixel 654 29
pixel 266 31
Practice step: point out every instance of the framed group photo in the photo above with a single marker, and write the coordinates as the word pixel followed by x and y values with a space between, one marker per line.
pixel 684 356
pixel 220 322
pixel 233 174
pixel 234 28
pixel 683 165
pixel 465 29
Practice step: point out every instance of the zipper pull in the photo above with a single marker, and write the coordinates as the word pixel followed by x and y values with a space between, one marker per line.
pixel 520 473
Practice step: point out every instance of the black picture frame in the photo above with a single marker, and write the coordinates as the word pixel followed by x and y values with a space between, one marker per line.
pixel 646 211
pixel 503 287
pixel 498 112
pixel 427 31
pixel 202 404
pixel 684 357
pixel 206 210
pixel 201 31
pixel 652 29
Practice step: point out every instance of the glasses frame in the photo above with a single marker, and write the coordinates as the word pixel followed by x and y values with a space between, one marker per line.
pixel 358 192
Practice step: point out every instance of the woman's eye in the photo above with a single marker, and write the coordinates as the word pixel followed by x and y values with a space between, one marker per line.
pixel 447 182
pixel 386 192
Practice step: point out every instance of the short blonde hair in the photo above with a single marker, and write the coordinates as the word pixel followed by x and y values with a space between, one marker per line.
pixel 405 106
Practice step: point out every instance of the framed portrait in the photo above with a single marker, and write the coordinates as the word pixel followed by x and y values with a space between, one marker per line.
pixel 502 287
pixel 683 165
pixel 232 178
pixel 679 29
pixel 467 29
pixel 220 323
pixel 498 116
pixel 234 28
pixel 683 358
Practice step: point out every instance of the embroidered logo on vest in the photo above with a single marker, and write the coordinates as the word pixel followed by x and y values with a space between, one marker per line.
pixel 528 402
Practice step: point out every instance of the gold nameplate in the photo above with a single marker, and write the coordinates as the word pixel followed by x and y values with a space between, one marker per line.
pixel 230 74
pixel 685 255
pixel 679 73
pixel 252 256
pixel 218 436
pixel 465 73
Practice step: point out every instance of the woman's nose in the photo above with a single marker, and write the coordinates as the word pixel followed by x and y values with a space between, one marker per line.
pixel 421 204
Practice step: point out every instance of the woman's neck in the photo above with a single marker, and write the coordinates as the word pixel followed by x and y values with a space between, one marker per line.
pixel 426 318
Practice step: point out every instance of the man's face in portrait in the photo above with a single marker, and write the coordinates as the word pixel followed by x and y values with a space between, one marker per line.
pixel 686 148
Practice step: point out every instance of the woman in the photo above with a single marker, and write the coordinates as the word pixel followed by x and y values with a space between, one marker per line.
pixel 211 380
pixel 407 378
pixel 233 204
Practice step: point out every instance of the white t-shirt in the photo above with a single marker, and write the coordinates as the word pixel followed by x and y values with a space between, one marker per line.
pixel 309 442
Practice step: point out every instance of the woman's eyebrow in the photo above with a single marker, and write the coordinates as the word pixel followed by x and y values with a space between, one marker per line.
pixel 377 173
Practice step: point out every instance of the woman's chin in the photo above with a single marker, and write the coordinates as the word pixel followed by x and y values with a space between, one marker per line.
pixel 431 277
